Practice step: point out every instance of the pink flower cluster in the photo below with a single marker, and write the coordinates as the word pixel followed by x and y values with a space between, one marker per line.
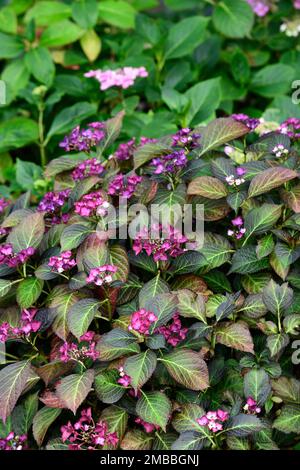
pixel 141 321
pixel 86 349
pixel 173 333
pixel 124 186
pixel 148 427
pixel 82 140
pixel 297 4
pixel 11 259
pixel 101 275
pixel 63 219
pixel 62 263
pixel 13 442
pixel 28 325
pixel 53 201
pixel 238 231
pixel 251 123
pixel 160 248
pixel 291 127
pixel 171 163
pixel 92 204
pixel 89 167
pixel 123 77
pixel 260 7
pixel 213 420
pixel 124 379
pixel 3 204
pixel 85 434
pixel 236 180
pixel 186 138
pixel 125 151
pixel 251 406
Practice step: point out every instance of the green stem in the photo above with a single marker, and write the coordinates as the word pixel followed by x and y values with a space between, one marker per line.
pixel 42 142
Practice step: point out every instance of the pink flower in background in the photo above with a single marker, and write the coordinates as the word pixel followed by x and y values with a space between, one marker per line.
pixel 260 7
pixel 63 262
pixel 141 321
pixel 101 275
pixel 85 434
pixel 89 167
pixel 170 243
pixel 173 333
pixel 148 427
pixel 297 4
pixel 123 77
pixel 213 420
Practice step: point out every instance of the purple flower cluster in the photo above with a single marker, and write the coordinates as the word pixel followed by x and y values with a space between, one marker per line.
pixel 238 230
pixel 171 163
pixel 236 180
pixel 11 259
pixel 124 379
pixel 123 77
pixel 160 248
pixel 173 333
pixel 85 434
pixel 186 138
pixel 86 349
pixel 124 186
pixel 101 275
pixel 3 204
pixel 89 167
pixel 13 442
pixel 251 406
pixel 291 128
pixel 82 140
pixel 60 219
pixel 28 325
pixel 141 320
pixel 251 123
pixel 214 420
pixel 92 204
pixel 125 151
pixel 297 4
pixel 260 7
pixel 53 201
pixel 62 263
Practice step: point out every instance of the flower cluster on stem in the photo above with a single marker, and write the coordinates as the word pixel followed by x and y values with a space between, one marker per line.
pixel 13 442
pixel 170 244
pixel 11 259
pixel 63 262
pixel 101 275
pixel 85 434
pixel 83 140
pixel 173 333
pixel 92 204
pixel 89 167
pixel 124 186
pixel 28 325
pixel 85 349
pixel 214 420
pixel 141 321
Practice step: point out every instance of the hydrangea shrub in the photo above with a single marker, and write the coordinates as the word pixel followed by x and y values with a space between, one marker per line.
pixel 155 342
